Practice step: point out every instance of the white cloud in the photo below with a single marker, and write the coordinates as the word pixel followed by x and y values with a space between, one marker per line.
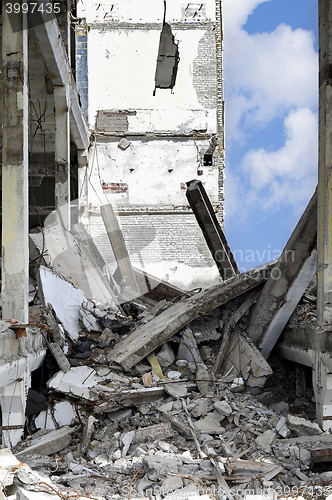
pixel 269 76
pixel 236 12
pixel 288 175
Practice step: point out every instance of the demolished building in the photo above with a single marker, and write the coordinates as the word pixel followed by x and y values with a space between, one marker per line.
pixel 121 384
pixel 154 99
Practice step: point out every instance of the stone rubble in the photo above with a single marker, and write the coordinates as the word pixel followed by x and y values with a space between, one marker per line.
pixel 170 427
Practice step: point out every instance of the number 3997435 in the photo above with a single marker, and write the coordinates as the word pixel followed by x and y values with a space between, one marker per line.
pixel 31 7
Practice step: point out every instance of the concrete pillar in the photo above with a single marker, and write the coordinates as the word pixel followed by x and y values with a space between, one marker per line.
pixel 324 227
pixel 15 199
pixel 82 158
pixel 62 156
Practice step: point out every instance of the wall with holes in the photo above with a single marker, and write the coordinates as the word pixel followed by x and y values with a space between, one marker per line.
pixel 150 171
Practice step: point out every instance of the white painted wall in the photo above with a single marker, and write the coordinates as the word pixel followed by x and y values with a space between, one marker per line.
pixel 143 11
pixel 123 43
pixel 154 170
pixel 122 65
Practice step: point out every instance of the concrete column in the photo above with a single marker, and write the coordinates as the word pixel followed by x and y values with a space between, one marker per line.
pixel 324 227
pixel 82 157
pixel 62 155
pixel 15 199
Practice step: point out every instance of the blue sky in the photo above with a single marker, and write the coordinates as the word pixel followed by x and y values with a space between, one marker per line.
pixel 271 95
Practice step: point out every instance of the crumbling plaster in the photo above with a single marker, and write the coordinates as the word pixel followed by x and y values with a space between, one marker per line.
pixel 168 132
pixel 153 171
pixel 121 74
pixel 137 12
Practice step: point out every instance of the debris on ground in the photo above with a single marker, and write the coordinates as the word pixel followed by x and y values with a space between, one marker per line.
pixel 162 398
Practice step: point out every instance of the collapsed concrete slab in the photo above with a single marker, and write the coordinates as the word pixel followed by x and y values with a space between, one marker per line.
pixel 236 316
pixel 74 262
pixel 213 233
pixel 19 356
pixel 155 288
pixel 285 286
pixel 66 300
pixel 246 361
pixel 76 382
pixel 146 338
pixel 62 413
pixel 49 443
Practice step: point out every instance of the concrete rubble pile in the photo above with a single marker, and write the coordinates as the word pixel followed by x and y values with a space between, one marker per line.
pixel 156 394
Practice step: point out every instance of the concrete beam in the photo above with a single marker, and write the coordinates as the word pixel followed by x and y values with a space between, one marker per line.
pixel 145 338
pixel 62 156
pixel 288 305
pixel 212 232
pixel 121 255
pixel 266 322
pixel 324 230
pixel 49 39
pixel 15 185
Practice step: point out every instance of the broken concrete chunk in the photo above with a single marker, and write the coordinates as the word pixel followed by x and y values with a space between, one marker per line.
pixel 188 349
pixel 303 427
pixel 167 407
pixel 66 300
pixel 126 441
pixel 166 356
pixel 209 424
pixel 223 408
pixel 282 428
pixel 237 385
pixel 162 464
pixel 204 380
pixel 89 321
pixel 75 263
pixel 176 390
pixel 59 356
pixel 144 339
pixel 172 483
pixel 265 440
pixel 8 467
pixel 98 356
pixel 153 432
pixel 62 413
pixel 250 469
pixel 200 408
pixel 49 443
pixel 180 424
pixel 87 433
pixel 244 356
pixel 76 382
